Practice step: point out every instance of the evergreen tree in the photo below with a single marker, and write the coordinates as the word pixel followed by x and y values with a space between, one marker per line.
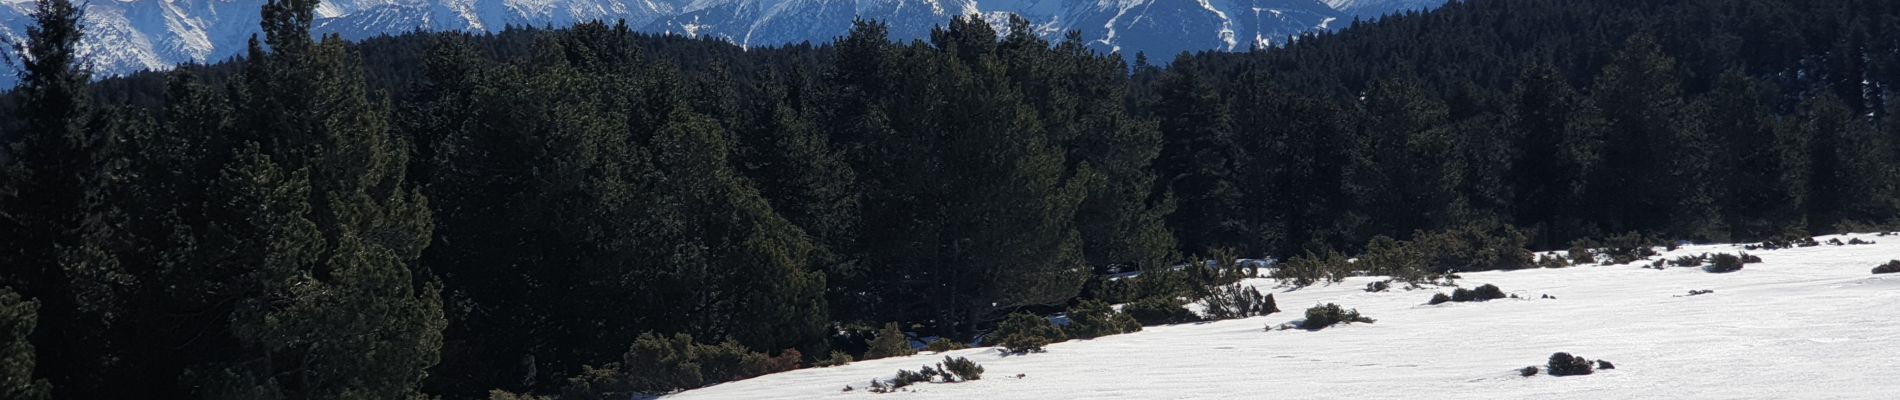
pixel 1851 181
pixel 1639 187
pixel 60 218
pixel 1558 143
pixel 1763 177
pixel 1197 159
pixel 17 319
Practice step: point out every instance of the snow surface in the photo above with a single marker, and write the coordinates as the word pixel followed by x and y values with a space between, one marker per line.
pixel 1807 323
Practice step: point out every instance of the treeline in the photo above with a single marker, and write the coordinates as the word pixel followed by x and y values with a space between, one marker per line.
pixel 447 213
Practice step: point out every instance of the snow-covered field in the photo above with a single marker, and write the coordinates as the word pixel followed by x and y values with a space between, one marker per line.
pixel 1807 323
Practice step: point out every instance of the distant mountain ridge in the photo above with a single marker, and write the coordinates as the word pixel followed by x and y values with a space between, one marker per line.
pixel 130 35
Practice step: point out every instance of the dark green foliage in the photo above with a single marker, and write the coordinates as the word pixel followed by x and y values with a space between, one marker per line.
pixel 1603 364
pixel 1628 248
pixel 1484 292
pixel 1159 310
pixel 1024 333
pixel 942 345
pixel 1091 319
pixel 1474 248
pixel 1487 292
pixel 1310 269
pixel 1582 251
pixel 1323 316
pixel 1689 261
pixel 1237 301
pixel 1724 262
pixel 1439 298
pixel 1563 364
pixel 962 368
pixel 1888 268
pixel 837 358
pixel 890 342
pixel 17 319
pixel 1527 371
pixel 661 364
pixel 1379 286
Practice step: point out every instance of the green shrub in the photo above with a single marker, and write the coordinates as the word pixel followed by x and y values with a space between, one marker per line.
pixel 1723 263
pixel 1379 286
pixel 1159 311
pixel 1888 268
pixel 942 345
pixel 1487 292
pixel 1528 371
pixel 837 359
pixel 660 364
pixel 596 384
pixel 1581 251
pixel 1090 319
pixel 1628 247
pixel 1439 298
pixel 1551 261
pixel 1474 248
pixel 1023 333
pixel 498 394
pixel 890 342
pixel 1563 364
pixel 962 368
pixel 1396 259
pixel 1322 316
pixel 1688 261
pixel 1237 301
pixel 1302 271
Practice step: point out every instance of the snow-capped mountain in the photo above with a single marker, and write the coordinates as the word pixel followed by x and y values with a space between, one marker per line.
pixel 129 35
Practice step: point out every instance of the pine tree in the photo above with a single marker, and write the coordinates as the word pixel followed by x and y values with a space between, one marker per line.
pixel 59 192
pixel 1851 180
pixel 1638 186
pixel 1763 181
pixel 1558 145
pixel 17 319
pixel 1197 159
pixel 336 309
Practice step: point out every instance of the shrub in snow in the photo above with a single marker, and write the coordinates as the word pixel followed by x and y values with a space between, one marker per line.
pixel 1628 247
pixel 1159 310
pixel 1379 286
pixel 1397 259
pixel 1750 259
pixel 942 345
pixel 1475 248
pixel 1563 364
pixel 1551 261
pixel 1700 292
pixel 1724 263
pixel 837 358
pixel 1857 242
pixel 1836 242
pixel 1322 316
pixel 1311 268
pixel 1689 261
pixel 962 368
pixel 1580 252
pixel 890 342
pixel 1023 333
pixel 1237 301
pixel 1890 267
pixel 1527 371
pixel 1601 364
pixel 1487 292
pixel 1439 298
pixel 657 364
pixel 1090 319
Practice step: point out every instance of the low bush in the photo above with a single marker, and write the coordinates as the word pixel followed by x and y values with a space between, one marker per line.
pixel 1750 259
pixel 1552 261
pixel 1024 333
pixel 1159 311
pixel 1628 247
pixel 659 364
pixel 1402 261
pixel 1237 301
pixel 1323 316
pixel 1527 371
pixel 1689 261
pixel 1306 270
pixel 837 359
pixel 1888 268
pixel 1724 263
pixel 1700 292
pixel 1836 242
pixel 1581 253
pixel 1474 248
pixel 942 345
pixel 962 368
pixel 890 342
pixel 1601 364
pixel 1563 364
pixel 1857 242
pixel 1485 292
pixel 1091 319
pixel 1379 286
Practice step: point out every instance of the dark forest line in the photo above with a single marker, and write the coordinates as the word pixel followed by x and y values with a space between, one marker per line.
pixel 449 213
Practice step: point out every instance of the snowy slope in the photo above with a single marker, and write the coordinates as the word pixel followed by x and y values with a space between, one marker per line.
pixel 1808 323
pixel 130 35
